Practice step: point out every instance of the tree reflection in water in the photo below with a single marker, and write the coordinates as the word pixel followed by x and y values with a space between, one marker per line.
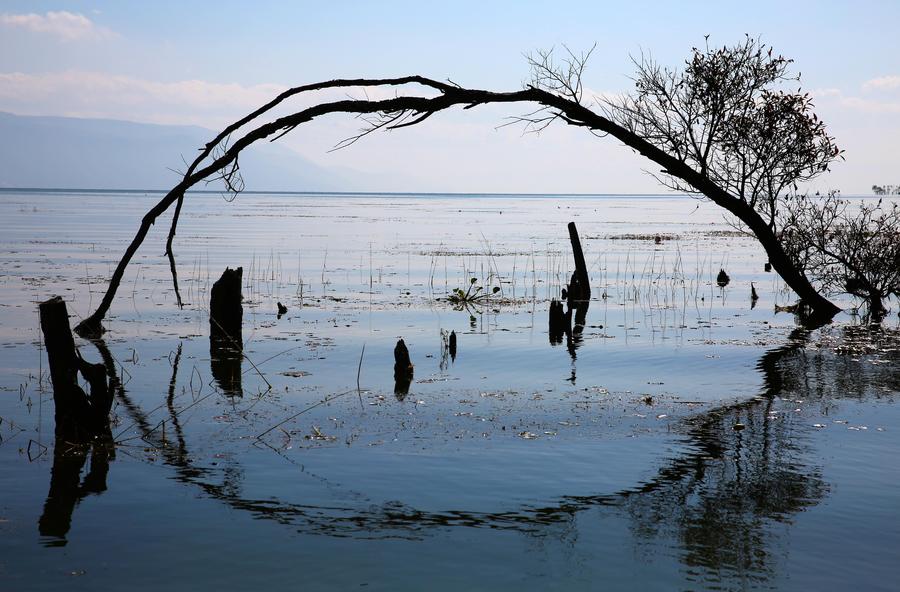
pixel 720 499
pixel 744 472
pixel 67 488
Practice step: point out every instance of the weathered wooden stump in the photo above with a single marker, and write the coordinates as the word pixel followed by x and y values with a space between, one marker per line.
pixel 79 417
pixel 403 369
pixel 452 345
pixel 67 487
pixel 225 310
pixel 580 285
pixel 225 331
pixel 577 296
pixel 559 323
pixel 722 278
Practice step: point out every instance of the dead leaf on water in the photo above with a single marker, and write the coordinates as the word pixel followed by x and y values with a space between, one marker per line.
pixel 295 374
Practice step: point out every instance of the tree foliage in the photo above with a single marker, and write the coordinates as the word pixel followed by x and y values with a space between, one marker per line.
pixel 736 115
pixel 848 246
pixel 732 114
pixel 886 189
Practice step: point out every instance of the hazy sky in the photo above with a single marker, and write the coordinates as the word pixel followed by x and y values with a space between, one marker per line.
pixel 207 63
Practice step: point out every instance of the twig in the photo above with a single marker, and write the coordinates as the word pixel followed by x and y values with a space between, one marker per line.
pixel 245 356
pixel 358 373
pixel 301 412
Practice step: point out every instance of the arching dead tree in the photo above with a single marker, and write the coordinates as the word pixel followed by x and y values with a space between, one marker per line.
pixel 557 92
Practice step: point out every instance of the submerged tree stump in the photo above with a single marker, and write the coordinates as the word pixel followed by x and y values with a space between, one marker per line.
pixel 722 278
pixel 403 369
pixel 79 417
pixel 225 332
pixel 225 310
pixel 580 286
pixel 558 321
pixel 577 296
pixel 67 487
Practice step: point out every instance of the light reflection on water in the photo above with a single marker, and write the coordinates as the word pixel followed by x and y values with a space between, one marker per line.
pixel 615 464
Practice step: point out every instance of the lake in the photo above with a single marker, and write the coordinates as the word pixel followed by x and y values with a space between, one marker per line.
pixel 689 438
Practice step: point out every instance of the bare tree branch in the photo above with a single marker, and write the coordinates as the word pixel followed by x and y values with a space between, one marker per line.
pixel 648 128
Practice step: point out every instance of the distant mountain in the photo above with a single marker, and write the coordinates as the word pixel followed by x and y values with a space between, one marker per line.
pixel 66 152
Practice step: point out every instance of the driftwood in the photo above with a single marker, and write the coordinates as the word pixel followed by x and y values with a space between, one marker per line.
pixel 79 417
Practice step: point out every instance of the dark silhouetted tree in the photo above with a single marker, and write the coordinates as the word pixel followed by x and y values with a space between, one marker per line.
pixel 724 128
pixel 848 246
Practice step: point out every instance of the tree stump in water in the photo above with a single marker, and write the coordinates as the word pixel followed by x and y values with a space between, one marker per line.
pixel 225 331
pixel 452 345
pixel 79 417
pixel 403 369
pixel 558 321
pixel 225 310
pixel 722 278
pixel 580 285
pixel 577 296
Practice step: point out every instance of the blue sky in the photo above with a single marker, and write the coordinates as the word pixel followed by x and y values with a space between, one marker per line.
pixel 207 63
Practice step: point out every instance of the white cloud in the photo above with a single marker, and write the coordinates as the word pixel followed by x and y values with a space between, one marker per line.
pixel 460 151
pixel 870 106
pixel 825 92
pixel 882 83
pixel 77 93
pixel 94 94
pixel 836 97
pixel 64 25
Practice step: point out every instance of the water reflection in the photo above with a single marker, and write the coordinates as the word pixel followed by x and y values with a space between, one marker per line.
pixel 745 471
pixel 67 488
pixel 742 471
pixel 225 366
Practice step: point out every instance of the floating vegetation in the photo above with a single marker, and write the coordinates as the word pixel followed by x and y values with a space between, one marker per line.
pixel 473 294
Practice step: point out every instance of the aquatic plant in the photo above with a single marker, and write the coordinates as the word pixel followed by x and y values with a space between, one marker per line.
pixel 473 293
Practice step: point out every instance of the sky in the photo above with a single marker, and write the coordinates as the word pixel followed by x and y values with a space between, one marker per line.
pixel 208 63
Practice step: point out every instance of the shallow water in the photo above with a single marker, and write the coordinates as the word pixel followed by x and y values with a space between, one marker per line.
pixel 612 462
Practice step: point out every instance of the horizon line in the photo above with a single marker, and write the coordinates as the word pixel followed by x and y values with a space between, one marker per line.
pixel 375 193
pixel 336 192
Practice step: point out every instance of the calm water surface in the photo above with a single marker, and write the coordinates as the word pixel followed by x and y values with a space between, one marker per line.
pixel 611 462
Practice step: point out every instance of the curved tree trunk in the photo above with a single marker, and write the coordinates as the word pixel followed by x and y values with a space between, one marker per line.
pixel 404 111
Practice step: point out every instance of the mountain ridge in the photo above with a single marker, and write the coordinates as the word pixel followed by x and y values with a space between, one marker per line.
pixel 55 152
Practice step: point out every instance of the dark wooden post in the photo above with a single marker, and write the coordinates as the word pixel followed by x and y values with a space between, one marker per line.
pixel 452 345
pixel 558 321
pixel 580 288
pixel 78 418
pixel 580 277
pixel 226 341
pixel 225 310
pixel 403 370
